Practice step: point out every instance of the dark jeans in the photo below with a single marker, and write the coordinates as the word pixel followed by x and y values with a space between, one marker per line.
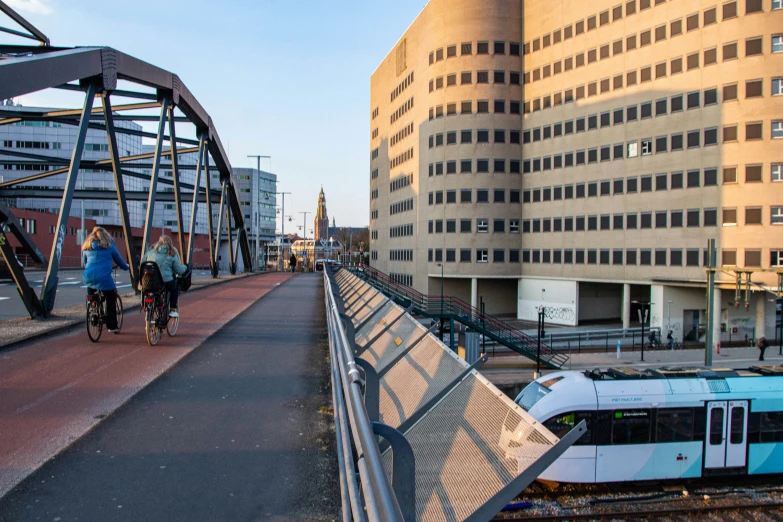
pixel 173 289
pixel 763 349
pixel 111 307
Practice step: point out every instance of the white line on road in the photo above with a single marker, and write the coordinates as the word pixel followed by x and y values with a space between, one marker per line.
pixel 4 298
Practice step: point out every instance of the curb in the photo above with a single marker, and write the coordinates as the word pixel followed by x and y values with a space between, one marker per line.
pixel 65 327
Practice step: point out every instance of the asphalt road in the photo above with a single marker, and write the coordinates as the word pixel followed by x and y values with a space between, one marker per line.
pixel 70 290
pixel 235 431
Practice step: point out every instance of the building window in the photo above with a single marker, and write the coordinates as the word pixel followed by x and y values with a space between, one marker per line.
pixel 482 255
pixel 776 216
pixel 464 255
pixel 777 44
pixel 777 130
pixel 753 46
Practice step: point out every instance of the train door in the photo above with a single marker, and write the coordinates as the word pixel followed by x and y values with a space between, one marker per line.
pixel 727 426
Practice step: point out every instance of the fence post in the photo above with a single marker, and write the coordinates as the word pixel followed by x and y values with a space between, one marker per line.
pixel 606 343
pixel 579 338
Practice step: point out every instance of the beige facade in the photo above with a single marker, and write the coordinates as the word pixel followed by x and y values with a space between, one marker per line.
pixel 610 148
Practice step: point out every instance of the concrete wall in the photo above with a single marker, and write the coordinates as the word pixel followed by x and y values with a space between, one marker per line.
pixel 599 301
pixel 561 296
pixel 500 296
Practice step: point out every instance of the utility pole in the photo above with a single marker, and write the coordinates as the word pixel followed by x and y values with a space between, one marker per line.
pixel 257 204
pixel 541 333
pixel 711 264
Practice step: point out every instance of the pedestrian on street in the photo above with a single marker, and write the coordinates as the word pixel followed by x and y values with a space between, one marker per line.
pixel 292 263
pixel 762 344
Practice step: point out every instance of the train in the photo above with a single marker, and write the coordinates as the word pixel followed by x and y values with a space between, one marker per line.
pixel 659 424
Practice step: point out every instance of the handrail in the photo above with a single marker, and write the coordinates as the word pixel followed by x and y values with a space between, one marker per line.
pixel 379 499
pixel 453 306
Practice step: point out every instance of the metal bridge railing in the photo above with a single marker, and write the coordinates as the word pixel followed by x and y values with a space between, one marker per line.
pixel 371 498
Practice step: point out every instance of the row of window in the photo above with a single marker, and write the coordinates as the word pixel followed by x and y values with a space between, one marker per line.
pixel 753 46
pixel 401 231
pixel 402 158
pixel 435 226
pixel 482 77
pixel 402 86
pixel 466 196
pixel 403 279
pixel 401 135
pixel 498 47
pixel 21 144
pixel 400 255
pixel 652 219
pixel 466 136
pixel 401 206
pixel 482 107
pixel 709 17
pixel 647 146
pixel 482 167
pixel 400 112
pixel 401 182
pixel 649 182
pixel 628 79
pixel 660 107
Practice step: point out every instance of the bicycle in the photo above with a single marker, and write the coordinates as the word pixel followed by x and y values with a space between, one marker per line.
pixel 96 314
pixel 155 305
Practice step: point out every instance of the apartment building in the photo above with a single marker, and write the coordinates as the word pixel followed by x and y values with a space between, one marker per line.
pixel 579 156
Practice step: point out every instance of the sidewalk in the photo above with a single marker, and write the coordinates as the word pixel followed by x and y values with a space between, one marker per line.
pixel 56 389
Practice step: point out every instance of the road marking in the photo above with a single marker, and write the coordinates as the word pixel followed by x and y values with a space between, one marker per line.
pixel 69 283
pixel 123 286
pixel 4 298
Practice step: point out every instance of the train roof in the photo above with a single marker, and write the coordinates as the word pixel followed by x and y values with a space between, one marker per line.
pixel 678 372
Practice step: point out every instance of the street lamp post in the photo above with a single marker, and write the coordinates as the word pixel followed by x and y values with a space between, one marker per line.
pixel 441 300
pixel 304 249
pixel 643 319
pixel 541 333
pixel 282 228
pixel 257 204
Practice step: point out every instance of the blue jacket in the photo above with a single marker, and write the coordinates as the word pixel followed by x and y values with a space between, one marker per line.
pixel 169 265
pixel 98 266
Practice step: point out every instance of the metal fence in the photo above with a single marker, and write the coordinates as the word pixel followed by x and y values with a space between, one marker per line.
pixel 421 435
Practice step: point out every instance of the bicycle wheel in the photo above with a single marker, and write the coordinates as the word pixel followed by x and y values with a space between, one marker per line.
pixel 94 323
pixel 151 328
pixel 172 325
pixel 120 314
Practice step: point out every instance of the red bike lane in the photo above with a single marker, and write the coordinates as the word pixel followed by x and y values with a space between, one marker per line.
pixel 54 391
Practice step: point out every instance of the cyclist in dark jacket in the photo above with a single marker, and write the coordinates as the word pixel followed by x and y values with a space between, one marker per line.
pixel 99 253
pixel 167 258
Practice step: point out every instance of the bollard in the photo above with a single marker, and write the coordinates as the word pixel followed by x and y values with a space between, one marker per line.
pixel 618 349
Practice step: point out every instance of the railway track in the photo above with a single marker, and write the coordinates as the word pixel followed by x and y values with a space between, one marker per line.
pixel 760 512
pixel 755 500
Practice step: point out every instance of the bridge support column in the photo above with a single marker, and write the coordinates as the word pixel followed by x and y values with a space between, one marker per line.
pixel 474 292
pixel 761 302
pixel 626 314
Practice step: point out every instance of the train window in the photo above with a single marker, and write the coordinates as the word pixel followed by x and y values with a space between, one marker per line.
pixel 771 429
pixel 534 392
pixel 631 427
pixel 737 424
pixel 674 425
pixel 562 424
pixel 716 426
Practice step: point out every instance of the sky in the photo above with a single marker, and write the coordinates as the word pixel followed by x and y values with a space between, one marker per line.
pixel 283 78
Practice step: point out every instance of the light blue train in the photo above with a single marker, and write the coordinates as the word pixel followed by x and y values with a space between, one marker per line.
pixel 669 423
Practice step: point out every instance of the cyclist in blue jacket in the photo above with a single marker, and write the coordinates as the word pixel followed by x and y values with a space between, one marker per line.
pixel 99 253
pixel 166 256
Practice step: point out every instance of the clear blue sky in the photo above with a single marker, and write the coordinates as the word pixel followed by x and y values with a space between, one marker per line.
pixel 286 78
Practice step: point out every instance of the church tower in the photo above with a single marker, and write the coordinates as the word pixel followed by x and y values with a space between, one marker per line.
pixel 321 228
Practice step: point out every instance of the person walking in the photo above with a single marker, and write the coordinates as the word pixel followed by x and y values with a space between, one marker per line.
pixel 166 257
pixel 763 345
pixel 99 253
pixel 292 263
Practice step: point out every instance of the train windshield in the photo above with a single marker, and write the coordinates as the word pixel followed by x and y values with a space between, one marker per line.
pixel 534 392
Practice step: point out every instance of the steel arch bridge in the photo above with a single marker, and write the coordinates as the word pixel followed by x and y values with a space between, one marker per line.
pixel 96 71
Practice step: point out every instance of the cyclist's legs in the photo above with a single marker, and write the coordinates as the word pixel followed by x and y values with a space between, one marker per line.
pixel 111 309
pixel 173 289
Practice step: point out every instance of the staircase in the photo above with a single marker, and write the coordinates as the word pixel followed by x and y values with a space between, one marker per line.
pixel 449 307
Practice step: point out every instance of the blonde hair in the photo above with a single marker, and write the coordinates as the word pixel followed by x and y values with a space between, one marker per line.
pixel 165 240
pixel 100 235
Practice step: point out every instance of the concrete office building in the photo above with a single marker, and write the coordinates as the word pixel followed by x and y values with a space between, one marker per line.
pixel 579 155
